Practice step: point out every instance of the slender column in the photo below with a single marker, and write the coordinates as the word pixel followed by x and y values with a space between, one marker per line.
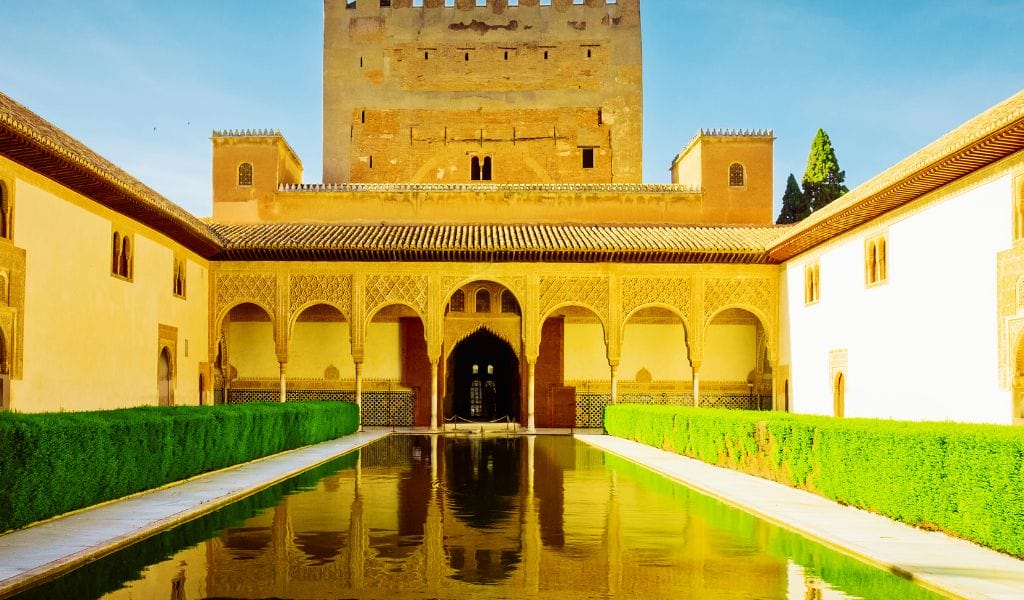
pixel 284 384
pixel 433 534
pixel 696 384
pixel 615 384
pixel 531 389
pixel 434 367
pixel 359 392
pixel 531 540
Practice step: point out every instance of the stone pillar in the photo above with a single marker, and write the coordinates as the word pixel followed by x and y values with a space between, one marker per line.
pixel 531 392
pixel 284 383
pixel 359 392
pixel 614 386
pixel 435 365
pixel 696 384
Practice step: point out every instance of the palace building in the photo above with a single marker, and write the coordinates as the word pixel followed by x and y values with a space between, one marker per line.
pixel 482 248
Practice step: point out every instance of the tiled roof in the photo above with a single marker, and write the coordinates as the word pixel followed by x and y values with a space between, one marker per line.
pixel 497 243
pixel 30 140
pixel 985 139
pixel 595 188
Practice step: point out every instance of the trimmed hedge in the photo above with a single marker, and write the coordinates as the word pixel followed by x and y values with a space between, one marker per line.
pixel 964 479
pixel 52 463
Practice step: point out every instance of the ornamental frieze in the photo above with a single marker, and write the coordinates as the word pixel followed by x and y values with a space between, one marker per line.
pixel 640 291
pixel 755 292
pixel 238 288
pixel 335 290
pixel 589 291
pixel 403 289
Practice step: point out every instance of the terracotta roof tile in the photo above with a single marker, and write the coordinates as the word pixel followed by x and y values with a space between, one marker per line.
pixel 527 243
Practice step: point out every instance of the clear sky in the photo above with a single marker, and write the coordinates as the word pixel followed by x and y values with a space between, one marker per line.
pixel 144 82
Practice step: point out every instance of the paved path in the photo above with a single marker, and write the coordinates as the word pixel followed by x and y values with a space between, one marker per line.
pixel 935 560
pixel 39 552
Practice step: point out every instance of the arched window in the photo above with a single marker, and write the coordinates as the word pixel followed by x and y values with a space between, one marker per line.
pixel 474 168
pixel 875 260
pixel 245 174
pixel 483 301
pixel 115 255
pixel 509 304
pixel 812 290
pixel 882 261
pixel 737 176
pixel 839 396
pixel 5 212
pixel 458 302
pixel 124 268
pixel 179 278
pixel 486 171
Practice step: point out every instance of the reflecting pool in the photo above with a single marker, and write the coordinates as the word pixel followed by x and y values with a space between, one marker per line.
pixel 478 517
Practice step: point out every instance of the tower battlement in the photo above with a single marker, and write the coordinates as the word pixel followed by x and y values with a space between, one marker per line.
pixel 511 94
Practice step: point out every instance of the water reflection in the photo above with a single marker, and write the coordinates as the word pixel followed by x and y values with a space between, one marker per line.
pixel 462 517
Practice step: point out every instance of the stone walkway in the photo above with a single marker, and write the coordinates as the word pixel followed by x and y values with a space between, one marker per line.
pixel 42 551
pixel 934 560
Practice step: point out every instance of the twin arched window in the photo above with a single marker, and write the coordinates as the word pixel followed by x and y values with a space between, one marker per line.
pixel 875 260
pixel 245 174
pixel 179 277
pixel 121 256
pixel 480 169
pixel 5 212
pixel 737 175
pixel 812 283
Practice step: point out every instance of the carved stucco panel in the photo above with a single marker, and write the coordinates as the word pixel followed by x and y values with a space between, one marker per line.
pixel 755 292
pixel 406 289
pixel 236 288
pixel 589 291
pixel 331 289
pixel 639 291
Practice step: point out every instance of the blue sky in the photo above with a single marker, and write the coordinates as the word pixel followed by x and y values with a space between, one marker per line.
pixel 144 83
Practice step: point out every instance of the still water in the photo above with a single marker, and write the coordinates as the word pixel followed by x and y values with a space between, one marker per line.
pixel 478 517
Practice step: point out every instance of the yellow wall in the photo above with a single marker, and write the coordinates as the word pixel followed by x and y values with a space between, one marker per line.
pixel 251 349
pixel 91 339
pixel 317 346
pixel 729 352
pixel 585 354
pixel 382 357
pixel 659 348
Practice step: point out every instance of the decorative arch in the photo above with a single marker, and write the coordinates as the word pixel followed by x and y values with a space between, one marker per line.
pixel 165 377
pixel 451 285
pixel 297 312
pixel 675 310
pixel 757 312
pixel 241 302
pixel 555 308
pixel 372 312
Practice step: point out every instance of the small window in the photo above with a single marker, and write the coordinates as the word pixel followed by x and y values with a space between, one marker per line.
pixel 362 116
pixel 588 158
pixel 875 261
pixel 483 301
pixel 245 174
pixel 509 304
pixel 812 283
pixel 737 176
pixel 179 277
pixel 474 168
pixel 121 256
pixel 458 301
pixel 480 168
pixel 485 172
pixel 5 212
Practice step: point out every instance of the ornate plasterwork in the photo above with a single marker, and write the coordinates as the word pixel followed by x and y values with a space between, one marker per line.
pixel 237 288
pixel 588 291
pixel 750 292
pixel 640 291
pixel 397 289
pixel 459 328
pixel 335 290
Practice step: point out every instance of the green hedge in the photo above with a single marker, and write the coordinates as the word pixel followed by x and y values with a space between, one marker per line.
pixel 964 479
pixel 53 463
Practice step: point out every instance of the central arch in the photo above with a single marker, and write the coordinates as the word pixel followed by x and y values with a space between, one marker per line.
pixel 483 379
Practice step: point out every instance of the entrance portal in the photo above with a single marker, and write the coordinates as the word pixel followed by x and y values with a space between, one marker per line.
pixel 484 378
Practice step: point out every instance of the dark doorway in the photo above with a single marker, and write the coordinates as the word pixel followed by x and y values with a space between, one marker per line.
pixel 484 378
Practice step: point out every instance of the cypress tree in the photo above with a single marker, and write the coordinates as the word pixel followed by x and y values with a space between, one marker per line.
pixel 823 181
pixel 794 205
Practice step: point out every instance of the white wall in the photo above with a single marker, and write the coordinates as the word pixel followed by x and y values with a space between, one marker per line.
pixel 924 344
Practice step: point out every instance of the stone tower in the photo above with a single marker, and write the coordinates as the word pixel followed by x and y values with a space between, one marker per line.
pixel 443 91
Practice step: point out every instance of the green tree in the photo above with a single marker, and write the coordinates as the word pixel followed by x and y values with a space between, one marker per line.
pixel 794 205
pixel 823 181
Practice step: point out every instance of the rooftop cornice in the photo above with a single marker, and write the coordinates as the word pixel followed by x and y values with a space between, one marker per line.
pixel 30 140
pixel 581 188
pixel 985 139
pixel 247 133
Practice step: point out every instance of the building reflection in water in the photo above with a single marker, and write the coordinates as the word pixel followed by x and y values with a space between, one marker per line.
pixel 461 516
